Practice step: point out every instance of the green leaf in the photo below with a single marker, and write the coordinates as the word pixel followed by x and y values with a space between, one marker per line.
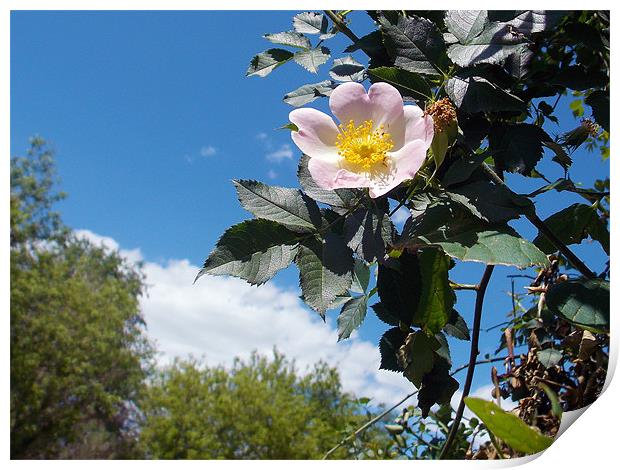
pixel 409 84
pixel 289 38
pixel 584 303
pixel 414 43
pixel 417 356
pixel 437 386
pixel 310 23
pixel 341 200
pixel 361 277
pixel 436 297
pixel 264 63
pixel 466 24
pixel 467 238
pixel 572 225
pixel 312 59
pixel 287 206
pixel 508 427
pixel 347 69
pixel 475 94
pixel 324 270
pixel 368 231
pixel 371 44
pixel 599 102
pixel 461 170
pixel 495 43
pixel 390 343
pixel 517 147
pixel 351 316
pixel 384 315
pixel 399 288
pixel 307 93
pixel 253 250
pixel 549 357
pixel 490 202
pixel 456 326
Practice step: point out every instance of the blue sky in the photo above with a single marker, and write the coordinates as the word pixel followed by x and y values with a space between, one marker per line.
pixel 151 116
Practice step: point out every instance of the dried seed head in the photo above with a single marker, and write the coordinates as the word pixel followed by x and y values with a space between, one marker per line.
pixel 443 114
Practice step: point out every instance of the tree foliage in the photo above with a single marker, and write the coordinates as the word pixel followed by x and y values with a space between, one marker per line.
pixel 260 408
pixel 79 355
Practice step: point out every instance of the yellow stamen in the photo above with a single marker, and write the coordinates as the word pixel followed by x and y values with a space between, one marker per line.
pixel 362 145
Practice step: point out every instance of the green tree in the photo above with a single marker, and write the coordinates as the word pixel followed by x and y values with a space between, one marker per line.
pixel 79 355
pixel 258 409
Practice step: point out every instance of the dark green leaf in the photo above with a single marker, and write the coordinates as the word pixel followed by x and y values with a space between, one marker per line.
pixel 368 231
pixel 399 287
pixel 312 59
pixel 466 24
pixel 549 357
pixel 371 44
pixel 508 427
pixel 347 69
pixel 475 94
pixel 253 250
pixel 417 356
pixel 390 343
pixel 307 93
pixel 289 38
pixel 324 270
pixel 490 202
pixel 341 200
pixel 436 296
pixel 572 225
pixel 287 206
pixel 384 315
pixel 351 316
pixel 264 63
pixel 437 386
pixel 409 84
pixel 517 147
pixel 599 102
pixel 584 303
pixel 462 169
pixel 456 326
pixel 468 238
pixel 414 43
pixel 361 277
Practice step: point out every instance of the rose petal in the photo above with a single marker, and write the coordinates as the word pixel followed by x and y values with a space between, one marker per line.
pixel 329 175
pixel 350 101
pixel 387 104
pixel 405 163
pixel 317 133
pixel 417 125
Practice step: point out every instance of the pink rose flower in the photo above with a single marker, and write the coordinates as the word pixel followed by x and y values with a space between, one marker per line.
pixel 379 143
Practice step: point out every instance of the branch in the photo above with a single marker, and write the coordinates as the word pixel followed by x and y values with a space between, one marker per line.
pixel 367 425
pixel 473 354
pixel 337 19
pixel 546 231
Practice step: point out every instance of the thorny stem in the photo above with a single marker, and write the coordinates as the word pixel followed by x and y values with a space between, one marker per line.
pixel 546 231
pixel 337 19
pixel 473 354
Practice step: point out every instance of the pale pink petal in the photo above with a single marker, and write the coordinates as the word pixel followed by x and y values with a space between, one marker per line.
pixel 387 104
pixel 350 101
pixel 404 164
pixel 417 125
pixel 317 133
pixel 329 175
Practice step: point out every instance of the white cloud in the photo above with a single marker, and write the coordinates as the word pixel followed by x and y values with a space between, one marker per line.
pixel 208 151
pixel 219 318
pixel 133 256
pixel 272 174
pixel 284 152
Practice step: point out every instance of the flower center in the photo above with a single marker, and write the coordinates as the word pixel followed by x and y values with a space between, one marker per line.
pixel 361 145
